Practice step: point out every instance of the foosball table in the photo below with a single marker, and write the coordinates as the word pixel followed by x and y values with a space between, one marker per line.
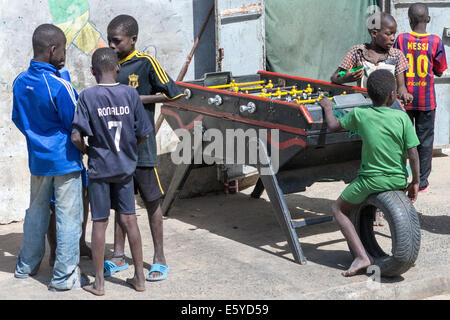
pixel 278 117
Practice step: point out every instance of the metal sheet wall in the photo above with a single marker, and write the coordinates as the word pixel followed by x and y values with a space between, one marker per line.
pixel 310 38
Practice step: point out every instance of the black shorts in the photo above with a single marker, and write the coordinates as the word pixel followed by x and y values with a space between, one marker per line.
pixel 147 184
pixel 105 196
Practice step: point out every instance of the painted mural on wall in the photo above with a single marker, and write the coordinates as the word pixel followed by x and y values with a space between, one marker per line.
pixel 72 16
pixel 166 31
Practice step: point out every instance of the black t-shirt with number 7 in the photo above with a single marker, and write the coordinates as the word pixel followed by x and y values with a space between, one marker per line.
pixel 112 116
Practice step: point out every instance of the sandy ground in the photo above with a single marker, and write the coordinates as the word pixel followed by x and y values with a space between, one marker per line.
pixel 231 247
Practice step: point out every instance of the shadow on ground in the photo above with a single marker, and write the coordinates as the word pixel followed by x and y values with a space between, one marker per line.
pixel 257 226
pixel 435 224
pixel 10 248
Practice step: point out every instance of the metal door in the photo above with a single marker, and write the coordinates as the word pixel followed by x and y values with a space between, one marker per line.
pixel 240 36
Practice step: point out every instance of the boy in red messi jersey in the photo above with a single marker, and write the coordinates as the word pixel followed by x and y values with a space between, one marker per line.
pixel 426 56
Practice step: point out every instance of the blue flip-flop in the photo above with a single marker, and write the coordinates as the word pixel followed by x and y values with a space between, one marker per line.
pixel 109 268
pixel 158 268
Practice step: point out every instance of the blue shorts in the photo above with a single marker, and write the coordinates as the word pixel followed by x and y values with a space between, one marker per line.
pixel 104 196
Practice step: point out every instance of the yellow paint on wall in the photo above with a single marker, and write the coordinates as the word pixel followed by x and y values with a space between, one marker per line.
pixel 87 39
pixel 72 27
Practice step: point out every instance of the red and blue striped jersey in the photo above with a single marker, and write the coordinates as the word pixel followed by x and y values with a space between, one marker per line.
pixel 426 56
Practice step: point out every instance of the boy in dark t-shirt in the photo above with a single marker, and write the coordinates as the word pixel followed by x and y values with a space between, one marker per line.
pixel 114 119
pixel 144 73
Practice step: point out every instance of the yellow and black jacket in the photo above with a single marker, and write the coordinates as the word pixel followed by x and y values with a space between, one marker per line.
pixel 143 72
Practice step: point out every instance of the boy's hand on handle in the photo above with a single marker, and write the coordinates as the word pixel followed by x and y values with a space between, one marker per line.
pixel 412 191
pixel 332 122
pixel 324 102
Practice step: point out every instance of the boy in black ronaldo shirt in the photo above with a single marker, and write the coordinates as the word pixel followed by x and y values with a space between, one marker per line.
pixel 144 73
pixel 114 119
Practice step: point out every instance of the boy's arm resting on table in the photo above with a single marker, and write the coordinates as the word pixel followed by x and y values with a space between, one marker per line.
pixel 78 141
pixel 332 122
pixel 162 83
pixel 413 187
pixel 156 98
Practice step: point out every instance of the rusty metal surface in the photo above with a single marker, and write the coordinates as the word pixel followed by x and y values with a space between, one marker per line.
pixel 240 36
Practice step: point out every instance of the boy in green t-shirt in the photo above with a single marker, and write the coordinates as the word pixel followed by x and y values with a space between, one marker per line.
pixel 388 137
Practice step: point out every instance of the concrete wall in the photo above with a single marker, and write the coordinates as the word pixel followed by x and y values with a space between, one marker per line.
pixel 166 32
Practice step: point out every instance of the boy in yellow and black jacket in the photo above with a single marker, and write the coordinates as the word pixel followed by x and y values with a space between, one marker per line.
pixel 154 85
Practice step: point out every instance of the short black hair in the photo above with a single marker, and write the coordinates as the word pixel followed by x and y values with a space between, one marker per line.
pixel 104 60
pixel 126 23
pixel 47 35
pixel 380 84
pixel 378 20
pixel 418 12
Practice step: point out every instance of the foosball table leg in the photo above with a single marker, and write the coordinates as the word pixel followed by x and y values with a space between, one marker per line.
pixel 179 178
pixel 258 190
pixel 283 216
pixel 269 181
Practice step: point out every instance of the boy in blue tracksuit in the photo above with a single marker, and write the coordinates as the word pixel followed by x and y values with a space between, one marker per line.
pixel 43 109
pixel 51 232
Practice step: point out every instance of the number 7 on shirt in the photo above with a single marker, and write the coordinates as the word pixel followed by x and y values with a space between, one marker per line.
pixel 118 124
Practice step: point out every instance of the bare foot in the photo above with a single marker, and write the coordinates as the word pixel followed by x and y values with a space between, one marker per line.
pixel 92 289
pixel 137 285
pixel 357 264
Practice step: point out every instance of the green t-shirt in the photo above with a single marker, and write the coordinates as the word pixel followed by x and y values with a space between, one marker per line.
pixel 386 136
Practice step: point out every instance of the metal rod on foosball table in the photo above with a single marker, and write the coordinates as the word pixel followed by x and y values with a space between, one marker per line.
pixel 236 84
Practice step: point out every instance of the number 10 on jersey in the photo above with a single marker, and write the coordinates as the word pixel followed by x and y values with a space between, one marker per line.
pixel 422 66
